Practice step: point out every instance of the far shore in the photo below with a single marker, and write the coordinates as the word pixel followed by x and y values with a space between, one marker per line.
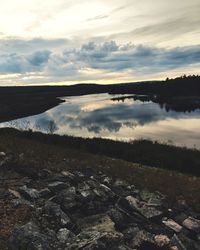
pixel 179 94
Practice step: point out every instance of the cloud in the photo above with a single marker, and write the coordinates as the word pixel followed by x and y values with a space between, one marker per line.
pixel 91 60
pixel 112 57
pixel 39 58
pixel 18 63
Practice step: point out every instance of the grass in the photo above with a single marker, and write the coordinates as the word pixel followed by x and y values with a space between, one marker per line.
pixel 143 152
pixel 44 151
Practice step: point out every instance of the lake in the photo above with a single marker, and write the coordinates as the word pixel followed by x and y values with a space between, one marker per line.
pixel 122 119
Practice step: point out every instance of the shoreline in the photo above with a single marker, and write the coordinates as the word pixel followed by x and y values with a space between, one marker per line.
pixel 145 152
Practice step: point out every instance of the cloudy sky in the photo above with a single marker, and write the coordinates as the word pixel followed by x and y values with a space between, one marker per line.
pixel 70 41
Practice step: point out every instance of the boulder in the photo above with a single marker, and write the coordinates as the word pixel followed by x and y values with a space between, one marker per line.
pixel 29 237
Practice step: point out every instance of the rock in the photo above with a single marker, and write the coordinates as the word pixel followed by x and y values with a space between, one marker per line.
pixel 2 154
pixel 150 212
pixel 68 175
pixel 155 202
pixel 107 180
pixel 133 202
pixel 192 224
pixel 94 240
pixel 104 192
pixel 148 196
pixel 5 159
pixel 173 225
pixel 57 186
pixel 84 189
pixel 68 199
pixel 173 248
pixel 142 238
pixel 99 222
pixel 176 242
pixel 76 212
pixel 29 193
pixel 98 232
pixel 19 202
pixel 161 240
pixel 120 183
pixel 142 208
pixel 45 193
pixel 124 206
pixel 29 237
pixel 121 220
pixel 63 235
pixel 15 193
pixel 131 232
pixel 79 174
pixel 56 216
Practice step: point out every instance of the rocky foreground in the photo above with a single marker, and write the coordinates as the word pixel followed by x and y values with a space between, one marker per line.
pixel 88 210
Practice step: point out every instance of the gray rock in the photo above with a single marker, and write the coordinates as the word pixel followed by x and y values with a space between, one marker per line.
pixel 68 199
pixel 107 180
pixel 29 193
pixel 68 175
pixel 29 237
pixel 2 154
pixel 143 208
pixel 19 202
pixel 150 212
pixel 56 215
pixel 45 193
pixel 121 183
pixel 120 219
pixel 57 186
pixel 63 235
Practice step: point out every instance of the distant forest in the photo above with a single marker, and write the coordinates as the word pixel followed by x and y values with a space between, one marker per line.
pixel 180 86
pixel 178 94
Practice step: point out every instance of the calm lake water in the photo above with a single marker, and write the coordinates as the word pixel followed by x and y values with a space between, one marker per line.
pixel 100 116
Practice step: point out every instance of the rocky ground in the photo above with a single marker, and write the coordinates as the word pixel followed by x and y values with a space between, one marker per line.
pixel 88 210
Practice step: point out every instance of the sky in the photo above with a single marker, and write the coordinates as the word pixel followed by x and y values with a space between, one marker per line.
pixel 100 41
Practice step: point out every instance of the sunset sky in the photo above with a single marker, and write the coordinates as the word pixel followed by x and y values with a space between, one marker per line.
pixel 72 41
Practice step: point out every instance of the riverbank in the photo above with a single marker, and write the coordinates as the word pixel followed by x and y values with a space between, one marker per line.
pixel 161 169
pixel 116 195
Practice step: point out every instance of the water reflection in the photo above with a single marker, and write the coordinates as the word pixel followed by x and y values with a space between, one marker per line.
pixel 101 116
